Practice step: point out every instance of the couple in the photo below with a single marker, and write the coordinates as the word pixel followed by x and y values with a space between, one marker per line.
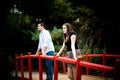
pixel 46 46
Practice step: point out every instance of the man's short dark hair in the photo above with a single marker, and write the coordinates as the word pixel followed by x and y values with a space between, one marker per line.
pixel 42 24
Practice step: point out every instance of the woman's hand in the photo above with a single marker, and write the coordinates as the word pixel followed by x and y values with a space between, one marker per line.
pixel 75 57
pixel 58 54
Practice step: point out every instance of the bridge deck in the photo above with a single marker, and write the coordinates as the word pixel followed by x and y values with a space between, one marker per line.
pixel 61 76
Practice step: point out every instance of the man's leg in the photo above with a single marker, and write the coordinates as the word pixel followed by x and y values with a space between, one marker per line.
pixel 49 66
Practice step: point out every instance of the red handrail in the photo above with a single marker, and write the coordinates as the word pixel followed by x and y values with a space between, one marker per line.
pixel 78 63
pixel 29 66
pixel 22 67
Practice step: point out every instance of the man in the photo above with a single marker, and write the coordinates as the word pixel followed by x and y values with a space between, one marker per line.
pixel 47 48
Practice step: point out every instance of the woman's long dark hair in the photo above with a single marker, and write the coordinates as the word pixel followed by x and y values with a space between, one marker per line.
pixel 69 29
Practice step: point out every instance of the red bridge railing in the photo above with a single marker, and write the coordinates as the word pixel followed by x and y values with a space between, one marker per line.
pixel 104 56
pixel 79 63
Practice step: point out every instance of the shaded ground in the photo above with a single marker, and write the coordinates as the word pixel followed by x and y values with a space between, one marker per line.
pixel 61 76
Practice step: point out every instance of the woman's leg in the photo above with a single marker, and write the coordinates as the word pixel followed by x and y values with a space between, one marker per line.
pixel 70 73
pixel 74 72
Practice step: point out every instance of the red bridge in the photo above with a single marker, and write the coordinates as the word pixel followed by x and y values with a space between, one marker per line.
pixel 79 63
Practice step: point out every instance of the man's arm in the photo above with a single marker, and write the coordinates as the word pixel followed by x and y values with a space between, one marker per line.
pixel 38 51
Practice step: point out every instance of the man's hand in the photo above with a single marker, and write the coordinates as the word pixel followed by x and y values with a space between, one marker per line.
pixel 44 54
pixel 37 53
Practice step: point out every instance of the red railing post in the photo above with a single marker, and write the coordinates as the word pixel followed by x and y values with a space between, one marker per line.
pixel 64 65
pixel 116 75
pixel 16 66
pixel 29 66
pixel 78 69
pixel 104 62
pixel 87 60
pixel 55 68
pixel 40 67
pixel 22 67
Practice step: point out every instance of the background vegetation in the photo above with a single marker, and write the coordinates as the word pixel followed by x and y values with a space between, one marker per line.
pixel 93 20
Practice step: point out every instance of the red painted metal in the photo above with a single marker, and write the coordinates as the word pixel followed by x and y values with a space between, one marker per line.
pixel 65 59
pixel 104 63
pixel 78 63
pixel 78 69
pixel 29 66
pixel 55 68
pixel 92 55
pixel 64 67
pixel 40 67
pixel 47 57
pixel 116 75
pixel 87 60
pixel 96 66
pixel 104 59
pixel 22 67
pixel 103 55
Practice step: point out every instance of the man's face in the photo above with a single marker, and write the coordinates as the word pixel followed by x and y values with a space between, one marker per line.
pixel 39 27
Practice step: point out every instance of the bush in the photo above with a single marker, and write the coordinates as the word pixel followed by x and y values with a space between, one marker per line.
pixel 6 66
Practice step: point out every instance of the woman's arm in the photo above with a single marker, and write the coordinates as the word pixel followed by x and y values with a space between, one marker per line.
pixel 61 50
pixel 73 39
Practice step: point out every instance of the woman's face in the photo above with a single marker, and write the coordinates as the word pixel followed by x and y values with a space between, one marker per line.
pixel 64 29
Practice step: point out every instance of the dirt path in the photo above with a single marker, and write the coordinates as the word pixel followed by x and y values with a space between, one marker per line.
pixel 62 76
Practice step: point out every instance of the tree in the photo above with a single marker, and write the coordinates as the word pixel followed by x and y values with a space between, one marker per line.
pixel 61 11
pixel 18 31
pixel 89 33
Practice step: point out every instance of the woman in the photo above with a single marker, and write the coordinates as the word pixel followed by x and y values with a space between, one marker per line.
pixel 72 48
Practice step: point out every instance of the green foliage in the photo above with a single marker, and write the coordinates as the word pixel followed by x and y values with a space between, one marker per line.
pixel 13 21
pixel 61 10
pixel 7 66
pixel 57 37
pixel 86 49
pixel 27 19
pixel 35 35
pixel 56 34
pixel 18 31
pixel 88 35
pixel 22 23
